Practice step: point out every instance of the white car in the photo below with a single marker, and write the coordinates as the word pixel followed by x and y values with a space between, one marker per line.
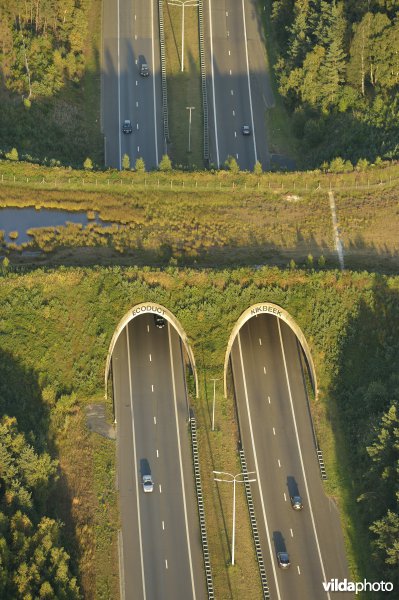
pixel 148 484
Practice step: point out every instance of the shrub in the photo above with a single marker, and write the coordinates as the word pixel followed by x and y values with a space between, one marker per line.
pixel 126 162
pixel 362 164
pixel 337 165
pixel 165 164
pixel 13 154
pixel 232 165
pixel 88 164
pixel 258 168
pixel 140 165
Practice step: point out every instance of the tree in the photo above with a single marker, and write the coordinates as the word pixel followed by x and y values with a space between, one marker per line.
pixel 140 165
pixel 165 164
pixel 258 168
pixel 232 165
pixel 88 164
pixel 13 154
pixel 126 162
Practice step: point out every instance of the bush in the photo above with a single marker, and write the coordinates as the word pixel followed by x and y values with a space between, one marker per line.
pixel 232 165
pixel 258 168
pixel 140 165
pixel 126 162
pixel 362 164
pixel 337 165
pixel 165 164
pixel 88 164
pixel 13 154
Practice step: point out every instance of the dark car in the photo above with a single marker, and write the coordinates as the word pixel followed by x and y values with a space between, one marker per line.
pixel 246 130
pixel 296 502
pixel 127 126
pixel 144 70
pixel 159 321
pixel 283 560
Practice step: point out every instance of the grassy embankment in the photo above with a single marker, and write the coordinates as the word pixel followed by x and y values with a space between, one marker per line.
pixel 184 87
pixel 64 128
pixel 200 225
pixel 60 324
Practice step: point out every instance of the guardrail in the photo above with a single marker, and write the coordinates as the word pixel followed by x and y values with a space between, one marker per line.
pixel 201 512
pixel 255 532
pixel 321 464
pixel 203 79
pixel 163 77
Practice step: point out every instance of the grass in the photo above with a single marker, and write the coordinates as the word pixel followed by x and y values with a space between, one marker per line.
pixel 184 87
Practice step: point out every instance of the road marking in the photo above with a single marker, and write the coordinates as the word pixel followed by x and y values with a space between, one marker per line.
pixel 260 342
pixel 279 463
pixel 231 93
pixel 180 461
pixel 166 563
pixel 228 33
pixel 136 61
pixel 157 453
pixel 264 370
pixel 227 13
pixel 135 19
pixel 230 71
pixel 119 93
pixel 137 82
pixel 285 497
pixel 213 85
pixel 150 357
pixel 235 134
pixel 153 83
pixel 257 469
pixel 299 572
pixel 300 455
pixel 137 126
pixel 160 489
pixel 237 155
pixel 234 113
pixel 274 431
pixel 138 148
pixel 292 533
pixel 229 53
pixel 135 36
pixel 148 329
pixel 163 525
pixel 249 81
pixel 155 420
pixel 137 104
pixel 135 461
pixel 269 399
pixel 152 387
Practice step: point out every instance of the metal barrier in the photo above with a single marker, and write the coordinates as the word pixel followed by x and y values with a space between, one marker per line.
pixel 255 533
pixel 163 77
pixel 321 464
pixel 201 512
pixel 203 79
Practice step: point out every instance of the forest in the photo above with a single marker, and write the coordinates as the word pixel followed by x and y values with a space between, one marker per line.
pixel 337 68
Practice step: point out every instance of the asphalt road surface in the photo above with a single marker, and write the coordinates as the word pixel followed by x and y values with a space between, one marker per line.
pixel 277 437
pixel 160 549
pixel 131 36
pixel 238 85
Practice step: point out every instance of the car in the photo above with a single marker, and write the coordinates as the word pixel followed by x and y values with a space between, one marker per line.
pixel 148 484
pixel 296 502
pixel 246 130
pixel 283 560
pixel 159 321
pixel 144 70
pixel 127 126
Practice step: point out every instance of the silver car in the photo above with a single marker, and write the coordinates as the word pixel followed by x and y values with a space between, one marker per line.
pixel 148 484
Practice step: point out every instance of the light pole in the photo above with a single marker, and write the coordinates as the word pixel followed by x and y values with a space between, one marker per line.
pixel 213 405
pixel 233 480
pixel 190 108
pixel 183 3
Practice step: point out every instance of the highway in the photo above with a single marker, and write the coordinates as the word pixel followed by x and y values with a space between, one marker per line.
pixel 131 36
pixel 277 437
pixel 160 548
pixel 238 85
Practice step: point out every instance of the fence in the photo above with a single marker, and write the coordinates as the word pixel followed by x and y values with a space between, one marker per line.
pixel 163 77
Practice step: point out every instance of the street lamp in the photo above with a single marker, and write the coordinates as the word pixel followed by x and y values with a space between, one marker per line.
pixel 213 405
pixel 183 3
pixel 190 108
pixel 233 480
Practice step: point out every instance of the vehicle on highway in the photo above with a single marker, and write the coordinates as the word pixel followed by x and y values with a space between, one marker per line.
pixel 144 70
pixel 246 130
pixel 127 126
pixel 148 484
pixel 296 502
pixel 283 560
pixel 159 321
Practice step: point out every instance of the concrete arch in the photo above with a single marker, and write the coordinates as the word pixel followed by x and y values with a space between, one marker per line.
pixel 281 313
pixel 154 308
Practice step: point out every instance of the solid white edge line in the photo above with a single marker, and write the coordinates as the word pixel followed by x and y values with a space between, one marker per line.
pixel 249 81
pixel 180 461
pixel 153 83
pixel 257 468
pixel 119 94
pixel 121 566
pixel 135 463
pixel 213 85
pixel 300 454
